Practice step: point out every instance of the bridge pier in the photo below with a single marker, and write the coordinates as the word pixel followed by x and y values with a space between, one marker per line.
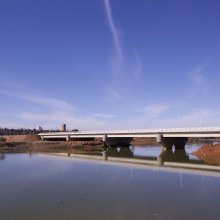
pixel 67 138
pixel 169 142
pixel 104 138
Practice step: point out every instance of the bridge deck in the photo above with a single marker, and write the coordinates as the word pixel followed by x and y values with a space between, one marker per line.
pixel 166 132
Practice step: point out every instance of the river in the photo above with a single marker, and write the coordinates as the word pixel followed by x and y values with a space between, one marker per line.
pixel 49 187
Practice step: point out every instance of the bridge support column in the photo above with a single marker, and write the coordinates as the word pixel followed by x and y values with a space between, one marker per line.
pixel 166 143
pixel 67 138
pixel 104 138
pixel 169 142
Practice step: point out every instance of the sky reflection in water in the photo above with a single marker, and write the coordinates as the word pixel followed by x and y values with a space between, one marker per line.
pixel 49 187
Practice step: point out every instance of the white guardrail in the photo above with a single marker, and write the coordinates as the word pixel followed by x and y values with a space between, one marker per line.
pixel 140 131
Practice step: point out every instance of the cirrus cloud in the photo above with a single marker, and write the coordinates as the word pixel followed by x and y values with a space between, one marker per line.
pixel 154 110
pixel 114 30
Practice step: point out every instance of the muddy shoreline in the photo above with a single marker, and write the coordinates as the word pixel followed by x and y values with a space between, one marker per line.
pixel 33 143
pixel 51 146
pixel 209 153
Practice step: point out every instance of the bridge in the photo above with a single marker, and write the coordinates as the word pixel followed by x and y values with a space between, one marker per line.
pixel 167 137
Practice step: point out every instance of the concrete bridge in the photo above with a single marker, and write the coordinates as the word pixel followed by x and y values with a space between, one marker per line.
pixel 167 137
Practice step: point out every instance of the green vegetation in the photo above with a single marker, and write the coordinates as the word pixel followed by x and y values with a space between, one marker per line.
pixel 2 139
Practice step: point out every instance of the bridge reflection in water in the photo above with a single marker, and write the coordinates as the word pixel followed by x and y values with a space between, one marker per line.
pixel 177 155
pixel 2 156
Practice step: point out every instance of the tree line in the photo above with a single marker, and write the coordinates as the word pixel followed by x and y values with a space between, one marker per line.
pixel 22 131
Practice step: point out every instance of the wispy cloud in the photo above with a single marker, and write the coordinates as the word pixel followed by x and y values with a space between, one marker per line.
pixel 114 30
pixel 103 115
pixel 56 111
pixel 192 118
pixel 33 95
pixel 138 66
pixel 41 100
pixel 55 118
pixel 154 110
pixel 47 101
pixel 197 77
pixel 112 92
pixel 198 117
pixel 19 86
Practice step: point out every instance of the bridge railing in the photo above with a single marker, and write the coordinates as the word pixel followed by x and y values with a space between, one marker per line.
pixel 141 131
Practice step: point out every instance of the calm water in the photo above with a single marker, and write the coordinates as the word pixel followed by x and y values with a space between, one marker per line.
pixel 48 187
pixel 153 152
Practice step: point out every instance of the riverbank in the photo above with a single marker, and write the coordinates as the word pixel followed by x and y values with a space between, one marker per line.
pixel 51 146
pixel 209 153
pixel 33 143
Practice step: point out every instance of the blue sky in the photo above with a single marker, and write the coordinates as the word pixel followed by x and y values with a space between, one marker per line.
pixel 99 64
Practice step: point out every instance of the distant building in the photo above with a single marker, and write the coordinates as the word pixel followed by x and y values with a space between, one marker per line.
pixel 63 127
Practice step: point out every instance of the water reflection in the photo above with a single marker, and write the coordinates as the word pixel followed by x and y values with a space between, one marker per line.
pixel 49 187
pixel 120 152
pixel 178 155
pixel 2 156
pixel 151 153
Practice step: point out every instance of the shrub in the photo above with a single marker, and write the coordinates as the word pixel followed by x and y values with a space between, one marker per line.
pixel 2 139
